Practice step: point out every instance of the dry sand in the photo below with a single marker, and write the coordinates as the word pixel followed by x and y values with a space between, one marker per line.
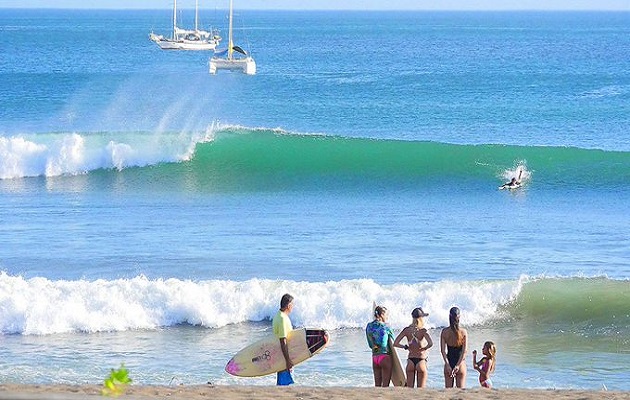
pixel 199 392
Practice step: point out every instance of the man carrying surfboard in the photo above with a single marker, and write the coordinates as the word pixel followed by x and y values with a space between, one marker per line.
pixel 281 327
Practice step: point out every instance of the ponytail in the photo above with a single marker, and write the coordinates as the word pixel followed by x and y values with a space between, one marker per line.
pixel 453 320
pixel 379 311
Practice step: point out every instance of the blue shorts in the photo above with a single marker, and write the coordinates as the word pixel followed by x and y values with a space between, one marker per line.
pixel 284 378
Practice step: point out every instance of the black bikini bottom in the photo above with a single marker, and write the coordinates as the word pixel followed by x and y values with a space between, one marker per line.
pixel 415 360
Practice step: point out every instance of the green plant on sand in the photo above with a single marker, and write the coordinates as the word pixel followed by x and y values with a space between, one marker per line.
pixel 116 383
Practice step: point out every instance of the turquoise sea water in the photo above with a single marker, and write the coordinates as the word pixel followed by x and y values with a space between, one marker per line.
pixel 153 214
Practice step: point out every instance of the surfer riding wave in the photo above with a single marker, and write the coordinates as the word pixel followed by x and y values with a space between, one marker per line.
pixel 514 183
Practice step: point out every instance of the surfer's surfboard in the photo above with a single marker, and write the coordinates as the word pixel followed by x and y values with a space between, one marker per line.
pixel 398 373
pixel 265 356
pixel 510 187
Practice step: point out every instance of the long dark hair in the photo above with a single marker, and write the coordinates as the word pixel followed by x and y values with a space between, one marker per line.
pixel 453 320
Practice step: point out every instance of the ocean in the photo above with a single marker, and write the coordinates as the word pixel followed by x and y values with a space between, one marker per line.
pixel 153 215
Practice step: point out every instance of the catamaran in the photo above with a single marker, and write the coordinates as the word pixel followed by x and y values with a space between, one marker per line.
pixel 185 39
pixel 234 58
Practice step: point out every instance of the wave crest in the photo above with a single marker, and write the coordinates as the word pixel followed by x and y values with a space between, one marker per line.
pixel 41 306
pixel 58 154
pixel 236 157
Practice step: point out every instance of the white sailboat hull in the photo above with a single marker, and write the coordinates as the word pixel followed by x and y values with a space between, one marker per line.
pixel 170 44
pixel 186 39
pixel 245 65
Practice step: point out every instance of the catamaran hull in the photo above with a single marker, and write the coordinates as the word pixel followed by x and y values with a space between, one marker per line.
pixel 244 65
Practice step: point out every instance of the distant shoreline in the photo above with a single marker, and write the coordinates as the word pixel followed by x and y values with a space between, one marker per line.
pixel 237 392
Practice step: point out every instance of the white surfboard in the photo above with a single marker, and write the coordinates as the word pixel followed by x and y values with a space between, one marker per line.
pixel 265 356
pixel 398 373
pixel 510 187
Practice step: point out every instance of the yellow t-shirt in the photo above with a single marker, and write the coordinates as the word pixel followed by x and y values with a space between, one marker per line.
pixel 281 325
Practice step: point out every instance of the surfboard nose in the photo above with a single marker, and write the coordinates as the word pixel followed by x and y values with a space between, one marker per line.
pixel 232 367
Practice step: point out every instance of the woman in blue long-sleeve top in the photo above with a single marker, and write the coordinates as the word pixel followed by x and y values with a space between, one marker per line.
pixel 378 334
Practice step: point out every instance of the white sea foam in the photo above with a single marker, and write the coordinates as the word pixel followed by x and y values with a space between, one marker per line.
pixel 519 171
pixel 41 306
pixel 57 154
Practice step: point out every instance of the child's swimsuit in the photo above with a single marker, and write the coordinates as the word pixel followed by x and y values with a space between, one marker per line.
pixel 483 364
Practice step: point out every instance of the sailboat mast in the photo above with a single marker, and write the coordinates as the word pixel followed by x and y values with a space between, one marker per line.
pixel 174 19
pixel 196 14
pixel 230 44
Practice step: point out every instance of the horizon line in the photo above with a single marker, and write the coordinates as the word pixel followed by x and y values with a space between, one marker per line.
pixel 323 9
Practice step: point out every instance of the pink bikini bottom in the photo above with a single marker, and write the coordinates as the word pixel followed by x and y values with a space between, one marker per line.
pixel 378 359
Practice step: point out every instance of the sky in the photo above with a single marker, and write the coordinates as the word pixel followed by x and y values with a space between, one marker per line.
pixel 623 5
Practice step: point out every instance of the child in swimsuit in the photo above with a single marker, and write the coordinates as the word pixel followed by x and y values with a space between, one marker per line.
pixel 418 342
pixel 486 365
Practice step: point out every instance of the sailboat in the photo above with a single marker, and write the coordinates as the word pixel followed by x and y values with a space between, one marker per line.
pixel 234 58
pixel 184 39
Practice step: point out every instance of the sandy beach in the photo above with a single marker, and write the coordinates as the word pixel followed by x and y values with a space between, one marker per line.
pixel 36 392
